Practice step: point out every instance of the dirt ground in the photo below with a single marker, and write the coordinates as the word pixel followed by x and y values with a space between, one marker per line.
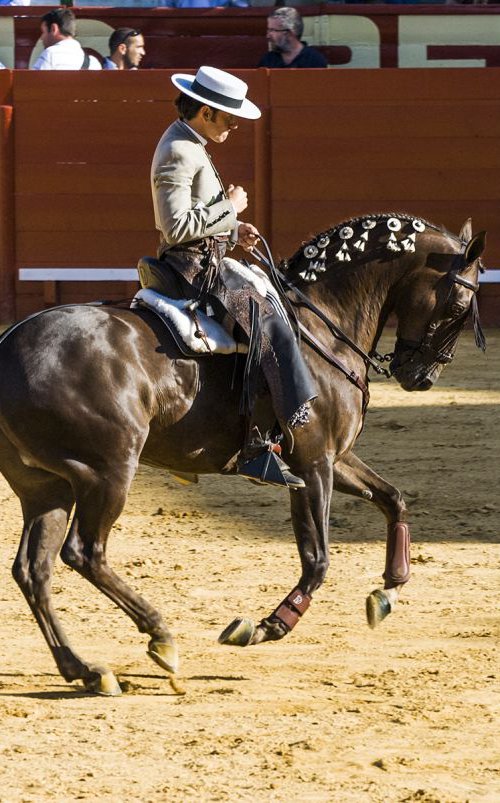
pixel 335 712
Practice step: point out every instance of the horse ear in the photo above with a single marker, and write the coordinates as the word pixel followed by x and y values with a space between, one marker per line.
pixel 475 248
pixel 466 230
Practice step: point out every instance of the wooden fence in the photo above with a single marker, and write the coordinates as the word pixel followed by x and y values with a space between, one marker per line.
pixel 77 148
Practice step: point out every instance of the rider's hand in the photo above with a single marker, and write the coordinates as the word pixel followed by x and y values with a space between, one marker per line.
pixel 248 236
pixel 238 198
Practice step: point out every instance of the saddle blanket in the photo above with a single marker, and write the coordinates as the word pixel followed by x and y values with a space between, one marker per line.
pixel 185 325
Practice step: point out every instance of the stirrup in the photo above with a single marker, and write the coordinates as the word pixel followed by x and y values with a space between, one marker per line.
pixel 267 468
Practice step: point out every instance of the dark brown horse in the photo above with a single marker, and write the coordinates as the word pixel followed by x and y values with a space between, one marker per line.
pixel 88 392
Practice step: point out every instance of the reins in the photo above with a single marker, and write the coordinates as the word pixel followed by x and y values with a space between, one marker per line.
pixel 373 359
pixel 282 284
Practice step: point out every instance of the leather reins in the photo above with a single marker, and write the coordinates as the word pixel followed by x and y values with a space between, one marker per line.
pixel 282 284
pixel 373 360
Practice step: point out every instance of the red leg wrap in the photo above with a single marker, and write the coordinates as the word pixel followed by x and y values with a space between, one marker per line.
pixel 292 608
pixel 397 557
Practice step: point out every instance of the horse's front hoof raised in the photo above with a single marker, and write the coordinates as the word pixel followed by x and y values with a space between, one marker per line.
pixel 102 682
pixel 239 633
pixel 378 607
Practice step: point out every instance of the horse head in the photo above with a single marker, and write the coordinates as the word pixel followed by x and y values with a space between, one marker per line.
pixel 432 307
pixel 368 267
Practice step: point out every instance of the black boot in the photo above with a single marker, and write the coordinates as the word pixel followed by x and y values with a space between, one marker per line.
pixel 261 462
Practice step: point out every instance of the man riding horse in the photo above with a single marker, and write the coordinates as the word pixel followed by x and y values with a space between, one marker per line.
pixel 198 221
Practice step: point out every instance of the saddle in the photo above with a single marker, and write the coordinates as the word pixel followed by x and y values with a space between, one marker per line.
pixel 195 332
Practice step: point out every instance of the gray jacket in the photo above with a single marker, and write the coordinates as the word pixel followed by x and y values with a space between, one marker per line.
pixel 189 199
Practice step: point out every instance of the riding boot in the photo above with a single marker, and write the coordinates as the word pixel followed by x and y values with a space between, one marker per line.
pixel 290 383
pixel 260 461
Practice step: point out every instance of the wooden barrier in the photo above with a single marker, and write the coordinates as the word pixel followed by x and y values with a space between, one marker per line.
pixel 425 142
pixel 88 146
pixel 330 145
pixel 7 232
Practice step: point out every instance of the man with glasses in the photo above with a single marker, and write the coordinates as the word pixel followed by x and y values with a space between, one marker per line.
pixel 126 50
pixel 286 48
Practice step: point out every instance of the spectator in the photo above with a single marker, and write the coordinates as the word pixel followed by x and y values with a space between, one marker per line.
pixel 62 51
pixel 286 49
pixel 126 50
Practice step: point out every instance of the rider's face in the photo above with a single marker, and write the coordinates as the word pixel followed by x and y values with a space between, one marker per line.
pixel 218 124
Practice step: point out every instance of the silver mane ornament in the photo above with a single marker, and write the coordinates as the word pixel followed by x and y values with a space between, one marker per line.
pixel 359 231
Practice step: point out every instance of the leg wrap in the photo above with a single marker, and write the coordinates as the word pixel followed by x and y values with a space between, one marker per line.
pixel 291 609
pixel 397 557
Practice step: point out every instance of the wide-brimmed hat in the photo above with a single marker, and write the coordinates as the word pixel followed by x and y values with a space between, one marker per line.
pixel 218 89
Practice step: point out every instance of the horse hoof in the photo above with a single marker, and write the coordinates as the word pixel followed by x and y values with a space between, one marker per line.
pixel 176 687
pixel 103 683
pixel 239 633
pixel 165 655
pixel 377 607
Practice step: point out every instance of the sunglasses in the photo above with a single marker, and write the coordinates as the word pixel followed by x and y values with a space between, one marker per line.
pixel 129 35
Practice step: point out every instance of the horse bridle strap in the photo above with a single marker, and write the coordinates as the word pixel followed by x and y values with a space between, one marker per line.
pixel 330 357
pixel 443 352
pixel 281 282
pixel 335 330
pixel 474 286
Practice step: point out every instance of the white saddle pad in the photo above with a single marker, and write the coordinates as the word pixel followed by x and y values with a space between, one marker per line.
pixel 176 315
pixel 235 276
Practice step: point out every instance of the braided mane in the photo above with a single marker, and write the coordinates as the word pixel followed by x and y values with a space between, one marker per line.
pixel 342 235
pixel 379 217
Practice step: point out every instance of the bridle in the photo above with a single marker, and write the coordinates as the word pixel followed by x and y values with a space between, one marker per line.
pixel 439 344
pixel 442 353
pixel 282 284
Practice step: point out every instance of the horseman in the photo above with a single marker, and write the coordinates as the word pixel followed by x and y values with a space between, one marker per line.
pixel 198 222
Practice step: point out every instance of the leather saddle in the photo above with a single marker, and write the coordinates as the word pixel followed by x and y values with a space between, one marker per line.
pixel 195 333
pixel 153 276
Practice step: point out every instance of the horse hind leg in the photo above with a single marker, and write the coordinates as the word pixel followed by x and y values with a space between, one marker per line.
pixel 99 502
pixel 352 476
pixel 46 502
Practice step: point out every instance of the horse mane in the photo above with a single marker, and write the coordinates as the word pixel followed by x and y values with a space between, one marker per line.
pixel 342 233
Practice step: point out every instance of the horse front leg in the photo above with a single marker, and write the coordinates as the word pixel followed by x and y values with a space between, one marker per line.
pixel 310 513
pixel 352 476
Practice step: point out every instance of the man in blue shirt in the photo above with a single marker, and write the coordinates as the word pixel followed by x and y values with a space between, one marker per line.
pixel 126 50
pixel 286 49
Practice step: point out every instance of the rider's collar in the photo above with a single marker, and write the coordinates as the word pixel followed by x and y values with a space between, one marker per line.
pixel 194 133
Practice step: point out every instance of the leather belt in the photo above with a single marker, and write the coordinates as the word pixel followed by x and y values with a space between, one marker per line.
pixel 199 245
